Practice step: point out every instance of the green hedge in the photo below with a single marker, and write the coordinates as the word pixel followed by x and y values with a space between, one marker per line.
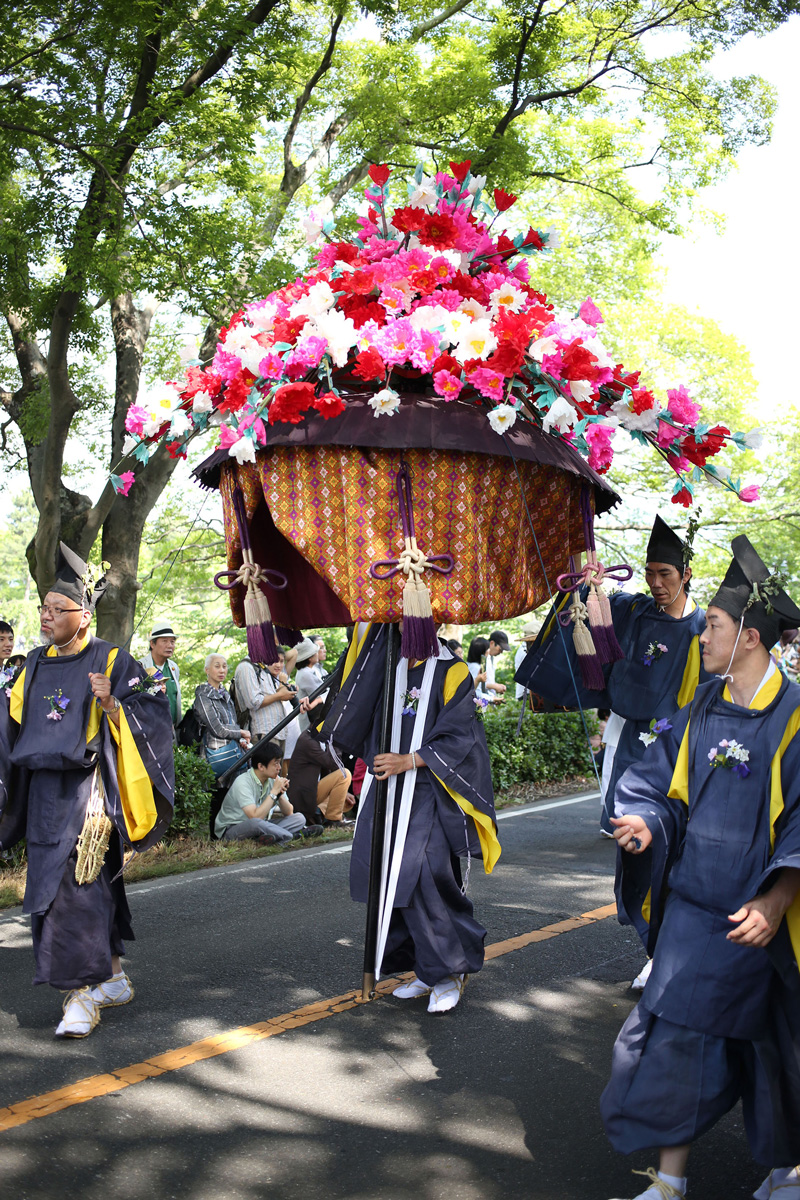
pixel 548 748
pixel 194 786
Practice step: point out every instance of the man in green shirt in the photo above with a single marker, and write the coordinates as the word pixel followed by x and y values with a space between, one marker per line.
pixel 162 648
pixel 256 805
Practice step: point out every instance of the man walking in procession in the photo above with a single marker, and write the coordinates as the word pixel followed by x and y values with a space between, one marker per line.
pixel 440 812
pixel 709 833
pixel 85 767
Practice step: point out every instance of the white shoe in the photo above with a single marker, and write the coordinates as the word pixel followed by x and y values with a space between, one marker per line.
pixel 643 976
pixel 659 1188
pixel 81 1014
pixel 409 991
pixel 783 1180
pixel 446 993
pixel 115 991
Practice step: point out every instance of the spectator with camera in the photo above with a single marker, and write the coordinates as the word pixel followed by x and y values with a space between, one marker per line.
pixel 265 695
pixel 256 804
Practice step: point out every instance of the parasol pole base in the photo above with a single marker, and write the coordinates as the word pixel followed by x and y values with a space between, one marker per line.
pixel 368 986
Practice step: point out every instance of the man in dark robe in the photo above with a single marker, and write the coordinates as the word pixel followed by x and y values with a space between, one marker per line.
pixel 441 811
pixel 659 637
pixel 85 759
pixel 709 873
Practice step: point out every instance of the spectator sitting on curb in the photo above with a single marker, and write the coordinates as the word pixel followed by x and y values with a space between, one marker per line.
pixel 316 780
pixel 252 799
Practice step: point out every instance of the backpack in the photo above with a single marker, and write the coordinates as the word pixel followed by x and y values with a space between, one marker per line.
pixel 189 731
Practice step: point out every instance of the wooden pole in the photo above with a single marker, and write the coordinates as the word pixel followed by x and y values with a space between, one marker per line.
pixel 379 818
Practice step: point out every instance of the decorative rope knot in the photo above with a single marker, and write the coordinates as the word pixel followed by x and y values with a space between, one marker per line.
pixel 412 560
pixel 258 620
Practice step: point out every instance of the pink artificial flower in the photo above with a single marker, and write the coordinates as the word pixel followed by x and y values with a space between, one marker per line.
pixel 257 424
pixel 308 352
pixel 271 367
pixel 590 313
pixel 136 418
pixel 442 268
pixel 751 493
pixel 396 342
pixel 601 453
pixel 488 382
pixel 667 434
pixel 227 436
pixel 425 350
pixel 682 406
pixel 127 478
pixel 447 385
pixel 226 365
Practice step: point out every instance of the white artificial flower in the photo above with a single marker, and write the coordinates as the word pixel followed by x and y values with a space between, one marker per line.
pixel 129 445
pixel 476 184
pixel 202 402
pixel 595 346
pixel 424 194
pixel 319 298
pixel 240 341
pixel 473 308
pixel 581 390
pixel 507 298
pixel 542 346
pixel 551 238
pixel 152 426
pixel 754 439
pixel 502 417
pixel 560 414
pixel 340 332
pixel 243 451
pixel 188 351
pixel 263 315
pixel 430 317
pixel 476 340
pixel 648 738
pixel 311 224
pixel 180 423
pixel 645 422
pixel 384 401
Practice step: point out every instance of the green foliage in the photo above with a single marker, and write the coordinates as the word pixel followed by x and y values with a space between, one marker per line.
pixel 549 747
pixel 194 785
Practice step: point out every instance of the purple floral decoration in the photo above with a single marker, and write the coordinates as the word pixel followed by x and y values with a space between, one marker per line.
pixel 58 702
pixel 411 702
pixel 656 727
pixel 654 652
pixel 731 755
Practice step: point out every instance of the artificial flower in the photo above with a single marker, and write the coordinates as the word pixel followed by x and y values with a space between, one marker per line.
pixel 384 401
pixel 503 200
pixel 502 417
pixel 750 494
pixel 447 385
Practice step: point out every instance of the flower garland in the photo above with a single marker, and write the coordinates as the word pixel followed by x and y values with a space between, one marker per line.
pixel 432 290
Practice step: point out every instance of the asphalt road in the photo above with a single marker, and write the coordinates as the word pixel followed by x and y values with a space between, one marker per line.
pixel 498 1099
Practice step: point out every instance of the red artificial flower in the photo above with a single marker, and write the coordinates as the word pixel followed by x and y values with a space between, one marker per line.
pixel 437 230
pixel 505 246
pixel 507 359
pixel 643 399
pixel 408 219
pixel 446 362
pixel 684 497
pixel 578 363
pixel 345 251
pixel 198 380
pixel 369 365
pixel 715 439
pixel 290 402
pixel 360 311
pixel 287 329
pixel 461 170
pixel 330 404
pixel 236 393
pixel 466 286
pixel 503 200
pixel 359 283
pixel 424 282
pixel 532 238
pixel 712 443
pixel 379 173
pixel 176 450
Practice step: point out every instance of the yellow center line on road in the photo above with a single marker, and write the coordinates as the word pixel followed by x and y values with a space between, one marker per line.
pixel 96 1086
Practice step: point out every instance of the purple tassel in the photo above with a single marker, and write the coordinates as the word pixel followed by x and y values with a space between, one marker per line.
pixel 419 639
pixel 591 672
pixel 287 637
pixel 261 646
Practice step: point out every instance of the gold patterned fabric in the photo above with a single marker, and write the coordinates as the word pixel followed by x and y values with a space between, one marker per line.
pixel 338 506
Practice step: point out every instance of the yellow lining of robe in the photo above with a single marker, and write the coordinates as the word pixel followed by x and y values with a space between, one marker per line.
pixel 487 831
pixel 679 785
pixel 135 788
pixel 691 673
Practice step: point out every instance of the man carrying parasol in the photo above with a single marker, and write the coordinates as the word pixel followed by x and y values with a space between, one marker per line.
pixel 441 811
pixel 85 766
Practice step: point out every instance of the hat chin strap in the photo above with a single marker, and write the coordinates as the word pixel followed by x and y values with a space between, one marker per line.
pixel 727 674
pixel 669 603
pixel 71 640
